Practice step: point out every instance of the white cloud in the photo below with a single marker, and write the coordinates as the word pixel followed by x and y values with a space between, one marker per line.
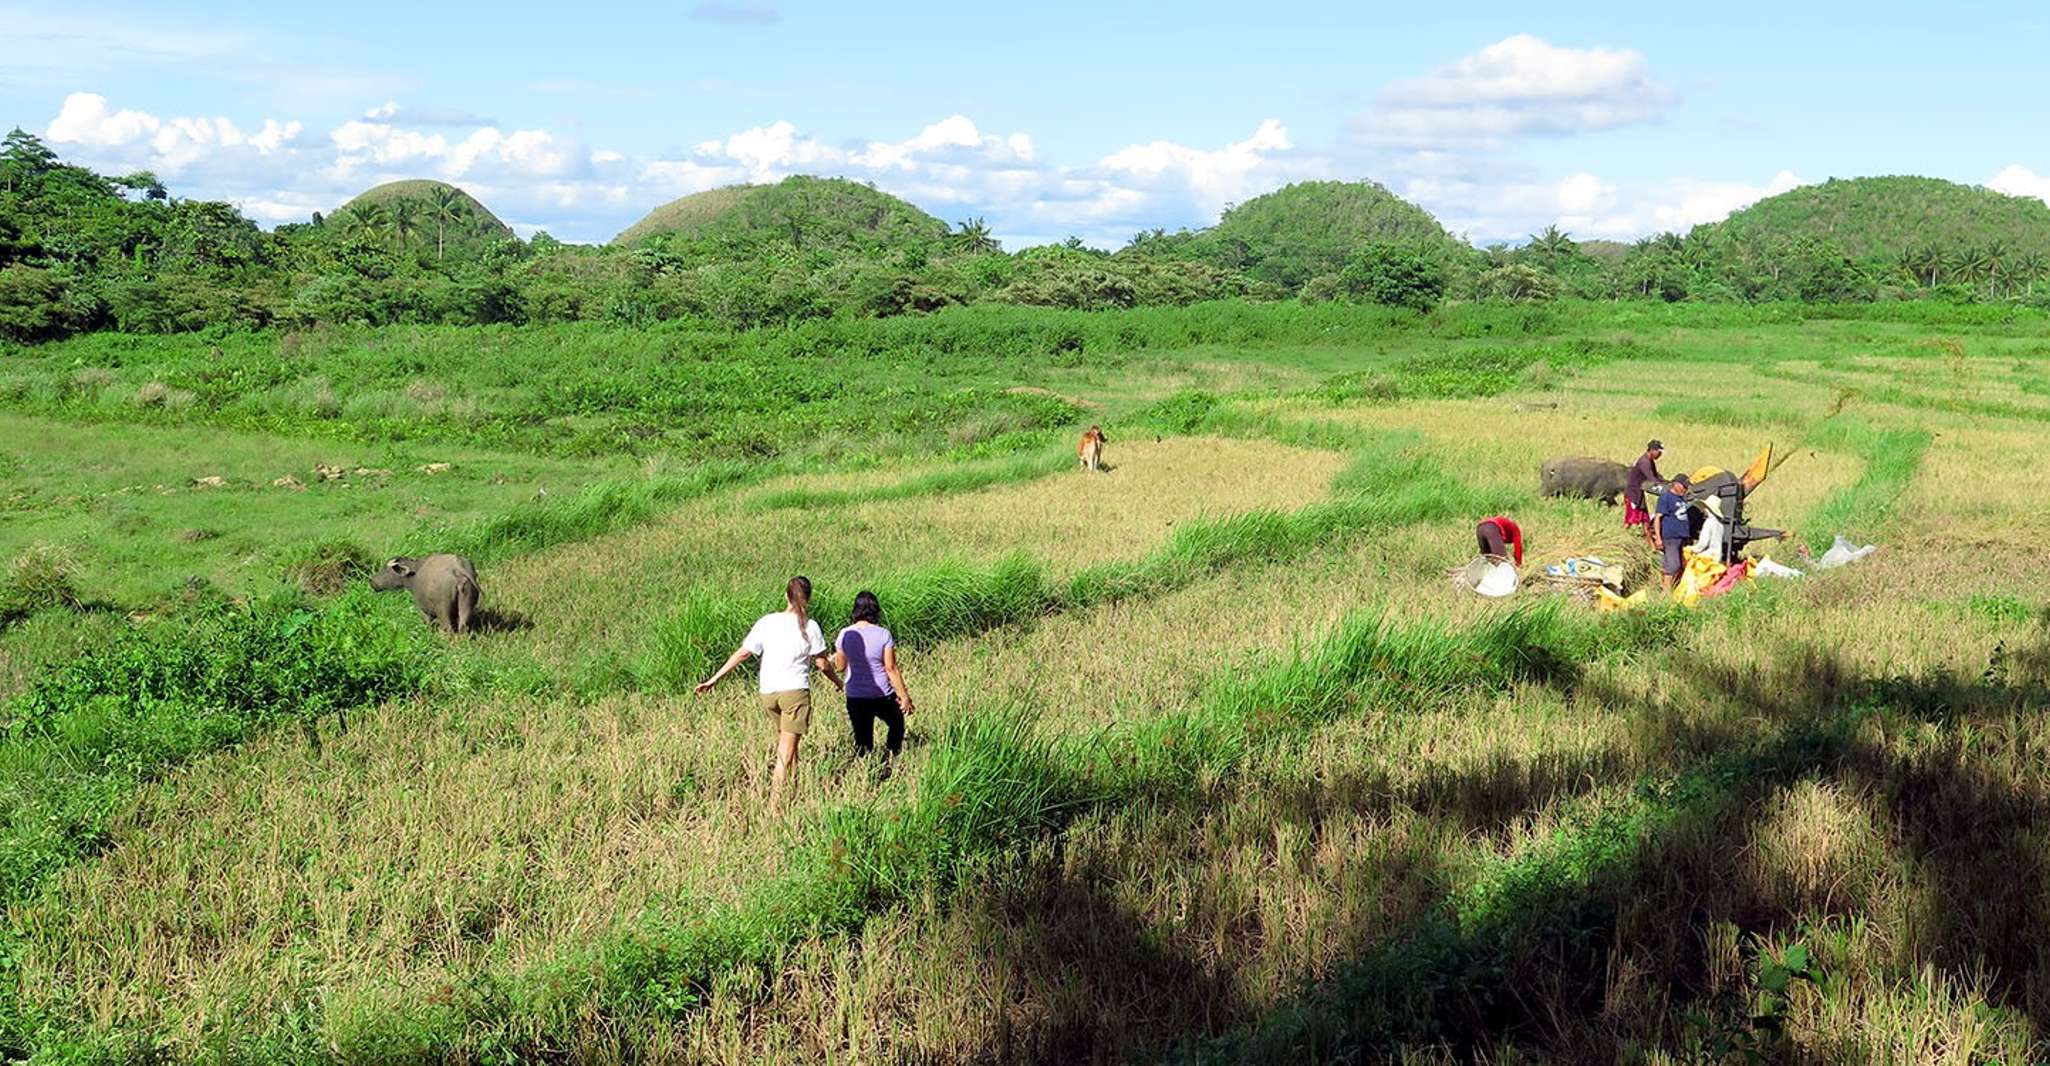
pixel 2018 180
pixel 1582 204
pixel 169 145
pixel 1519 86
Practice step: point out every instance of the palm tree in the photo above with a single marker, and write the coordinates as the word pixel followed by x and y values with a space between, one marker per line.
pixel 973 235
pixel 405 222
pixel 368 223
pixel 446 206
pixel 1924 264
pixel 1551 245
pixel 1996 262
pixel 2029 268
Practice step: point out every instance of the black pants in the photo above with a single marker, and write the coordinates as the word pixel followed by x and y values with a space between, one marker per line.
pixel 1489 535
pixel 864 711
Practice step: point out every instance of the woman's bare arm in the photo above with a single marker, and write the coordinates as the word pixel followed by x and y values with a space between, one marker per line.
pixel 896 678
pixel 740 655
pixel 825 666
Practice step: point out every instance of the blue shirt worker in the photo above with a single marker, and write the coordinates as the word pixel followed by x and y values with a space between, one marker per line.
pixel 1671 529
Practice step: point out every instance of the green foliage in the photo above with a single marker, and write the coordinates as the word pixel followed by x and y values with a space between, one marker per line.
pixel 431 213
pixel 1487 370
pixel 1394 276
pixel 594 511
pixel 1183 412
pixel 798 214
pixel 1517 283
pixel 77 740
pixel 1293 234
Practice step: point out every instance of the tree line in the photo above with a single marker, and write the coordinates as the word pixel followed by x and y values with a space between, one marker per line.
pixel 81 251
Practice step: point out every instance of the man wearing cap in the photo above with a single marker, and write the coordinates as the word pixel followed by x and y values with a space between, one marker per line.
pixel 1671 530
pixel 1646 472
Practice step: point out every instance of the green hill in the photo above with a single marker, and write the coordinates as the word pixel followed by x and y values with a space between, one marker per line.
pixel 477 227
pixel 1298 232
pixel 803 212
pixel 1892 217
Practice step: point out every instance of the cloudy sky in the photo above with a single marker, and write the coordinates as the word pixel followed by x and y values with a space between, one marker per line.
pixel 1092 119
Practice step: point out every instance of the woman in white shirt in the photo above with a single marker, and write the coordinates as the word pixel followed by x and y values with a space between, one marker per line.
pixel 789 644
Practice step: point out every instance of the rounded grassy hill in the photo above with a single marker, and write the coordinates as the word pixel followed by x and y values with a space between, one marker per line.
pixel 801 212
pixel 475 226
pixel 1895 217
pixel 1300 231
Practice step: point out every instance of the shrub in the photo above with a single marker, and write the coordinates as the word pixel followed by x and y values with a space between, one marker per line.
pixel 1394 276
pixel 38 579
pixel 325 567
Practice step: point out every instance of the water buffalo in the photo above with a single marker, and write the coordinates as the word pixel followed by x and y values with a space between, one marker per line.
pixel 444 587
pixel 1584 477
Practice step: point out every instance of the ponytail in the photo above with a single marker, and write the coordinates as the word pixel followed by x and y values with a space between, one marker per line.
pixel 798 592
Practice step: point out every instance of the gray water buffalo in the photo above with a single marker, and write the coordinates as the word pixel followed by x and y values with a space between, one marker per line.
pixel 444 587
pixel 1582 476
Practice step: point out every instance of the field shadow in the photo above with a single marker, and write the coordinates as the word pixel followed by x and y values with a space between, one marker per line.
pixel 1572 970
pixel 499 620
pixel 1569 965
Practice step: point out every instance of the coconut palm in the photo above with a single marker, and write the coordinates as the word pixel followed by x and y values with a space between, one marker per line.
pixel 1552 245
pixel 1996 263
pixel 369 223
pixel 446 206
pixel 973 236
pixel 405 222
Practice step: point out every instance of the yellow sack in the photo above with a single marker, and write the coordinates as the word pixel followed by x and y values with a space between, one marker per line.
pixel 1608 601
pixel 1699 575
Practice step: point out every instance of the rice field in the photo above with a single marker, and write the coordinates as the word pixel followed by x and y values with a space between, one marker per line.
pixel 1210 762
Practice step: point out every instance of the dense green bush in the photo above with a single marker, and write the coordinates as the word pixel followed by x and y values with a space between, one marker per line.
pixel 1395 276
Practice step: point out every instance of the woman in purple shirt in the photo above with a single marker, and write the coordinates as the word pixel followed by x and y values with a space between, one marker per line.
pixel 867 654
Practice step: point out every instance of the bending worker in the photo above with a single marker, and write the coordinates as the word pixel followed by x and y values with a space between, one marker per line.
pixel 1499 537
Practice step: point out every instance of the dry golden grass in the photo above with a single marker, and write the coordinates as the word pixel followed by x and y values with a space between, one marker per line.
pixel 603 592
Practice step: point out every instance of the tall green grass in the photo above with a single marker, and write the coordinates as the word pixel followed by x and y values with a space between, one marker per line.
pixel 1862 509
pixel 1485 370
pixel 605 507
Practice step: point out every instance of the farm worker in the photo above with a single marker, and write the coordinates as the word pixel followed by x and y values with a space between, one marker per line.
pixel 789 644
pixel 867 653
pixel 1670 530
pixel 1499 537
pixel 1645 472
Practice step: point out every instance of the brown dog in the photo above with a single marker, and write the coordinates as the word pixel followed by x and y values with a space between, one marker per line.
pixel 1090 451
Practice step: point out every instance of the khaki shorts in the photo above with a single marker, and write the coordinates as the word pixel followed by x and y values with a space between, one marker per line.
pixel 790 710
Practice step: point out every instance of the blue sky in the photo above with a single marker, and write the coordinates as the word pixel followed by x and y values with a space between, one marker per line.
pixel 1089 119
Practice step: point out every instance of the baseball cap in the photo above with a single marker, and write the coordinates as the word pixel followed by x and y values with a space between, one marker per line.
pixel 1655 446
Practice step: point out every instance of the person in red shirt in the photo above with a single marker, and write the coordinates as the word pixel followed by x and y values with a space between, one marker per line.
pixel 1500 538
